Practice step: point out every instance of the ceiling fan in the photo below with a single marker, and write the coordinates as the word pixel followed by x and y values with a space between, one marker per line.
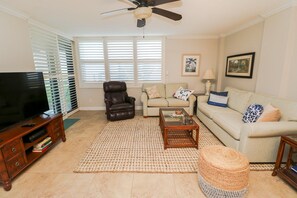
pixel 145 8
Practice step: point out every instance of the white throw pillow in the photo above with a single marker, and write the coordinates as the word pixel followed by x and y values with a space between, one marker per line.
pixel 183 94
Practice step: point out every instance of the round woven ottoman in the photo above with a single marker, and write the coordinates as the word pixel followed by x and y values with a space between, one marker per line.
pixel 222 172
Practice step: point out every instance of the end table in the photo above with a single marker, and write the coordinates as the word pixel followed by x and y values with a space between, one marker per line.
pixel 285 172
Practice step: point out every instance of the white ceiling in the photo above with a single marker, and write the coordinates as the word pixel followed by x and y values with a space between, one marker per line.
pixel 200 17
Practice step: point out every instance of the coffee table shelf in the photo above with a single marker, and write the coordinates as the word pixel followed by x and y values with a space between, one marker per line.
pixel 178 131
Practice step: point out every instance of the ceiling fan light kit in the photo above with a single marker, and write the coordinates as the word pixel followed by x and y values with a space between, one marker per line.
pixel 145 8
pixel 143 12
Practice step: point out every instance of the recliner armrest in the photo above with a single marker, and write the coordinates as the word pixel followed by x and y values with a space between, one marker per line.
pixel 130 99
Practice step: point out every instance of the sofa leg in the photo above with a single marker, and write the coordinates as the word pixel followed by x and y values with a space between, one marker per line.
pixel 145 116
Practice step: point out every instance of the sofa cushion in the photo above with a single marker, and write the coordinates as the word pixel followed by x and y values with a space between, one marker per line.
pixel 153 92
pixel 183 94
pixel 238 99
pixel 252 113
pixel 230 121
pixel 172 87
pixel 160 86
pixel 157 102
pixel 210 110
pixel 173 102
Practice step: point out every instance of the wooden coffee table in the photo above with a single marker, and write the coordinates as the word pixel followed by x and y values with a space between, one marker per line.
pixel 178 130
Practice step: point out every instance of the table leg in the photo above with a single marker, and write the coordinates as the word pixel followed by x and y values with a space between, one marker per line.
pixel 197 136
pixel 289 160
pixel 165 138
pixel 279 158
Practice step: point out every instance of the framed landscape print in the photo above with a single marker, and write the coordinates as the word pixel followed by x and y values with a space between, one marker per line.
pixel 240 65
pixel 190 64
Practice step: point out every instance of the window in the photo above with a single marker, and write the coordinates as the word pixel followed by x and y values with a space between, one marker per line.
pixel 131 60
pixel 149 60
pixel 53 56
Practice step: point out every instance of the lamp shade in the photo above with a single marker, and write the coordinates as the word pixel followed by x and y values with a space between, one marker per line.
pixel 208 75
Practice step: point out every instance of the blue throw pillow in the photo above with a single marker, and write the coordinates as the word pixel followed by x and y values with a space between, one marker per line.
pixel 252 113
pixel 219 99
pixel 223 93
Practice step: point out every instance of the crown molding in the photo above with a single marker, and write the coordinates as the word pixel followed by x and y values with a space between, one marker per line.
pixel 14 12
pixel 243 26
pixel 193 37
pixel 48 28
pixel 283 7
pixel 261 17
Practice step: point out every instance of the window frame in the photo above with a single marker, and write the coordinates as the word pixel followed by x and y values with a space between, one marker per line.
pixel 135 83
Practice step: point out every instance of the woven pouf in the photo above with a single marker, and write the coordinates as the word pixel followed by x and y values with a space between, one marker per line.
pixel 222 172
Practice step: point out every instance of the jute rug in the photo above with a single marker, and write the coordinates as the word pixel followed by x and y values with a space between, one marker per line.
pixel 136 145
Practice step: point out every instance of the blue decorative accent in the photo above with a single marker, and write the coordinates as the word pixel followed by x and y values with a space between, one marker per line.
pixel 223 93
pixel 219 99
pixel 252 113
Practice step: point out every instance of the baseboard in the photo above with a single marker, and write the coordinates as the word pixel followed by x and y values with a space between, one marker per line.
pixel 102 108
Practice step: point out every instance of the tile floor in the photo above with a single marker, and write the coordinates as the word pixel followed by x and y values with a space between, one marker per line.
pixel 52 175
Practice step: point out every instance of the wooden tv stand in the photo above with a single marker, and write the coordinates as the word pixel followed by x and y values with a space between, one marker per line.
pixel 16 152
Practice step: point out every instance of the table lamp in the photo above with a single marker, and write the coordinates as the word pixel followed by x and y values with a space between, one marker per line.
pixel 208 75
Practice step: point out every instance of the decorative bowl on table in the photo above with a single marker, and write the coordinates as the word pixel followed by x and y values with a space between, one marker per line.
pixel 178 112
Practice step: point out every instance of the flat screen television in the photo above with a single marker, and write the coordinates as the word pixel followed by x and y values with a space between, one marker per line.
pixel 22 96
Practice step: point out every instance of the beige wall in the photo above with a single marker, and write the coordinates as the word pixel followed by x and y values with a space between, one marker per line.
pixel 247 40
pixel 275 44
pixel 277 74
pixel 15 46
pixel 175 48
pixel 92 98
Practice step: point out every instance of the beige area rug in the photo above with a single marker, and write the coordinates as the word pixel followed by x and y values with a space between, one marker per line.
pixel 136 145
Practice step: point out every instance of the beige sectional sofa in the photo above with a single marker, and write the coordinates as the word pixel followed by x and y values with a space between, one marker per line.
pixel 151 106
pixel 259 141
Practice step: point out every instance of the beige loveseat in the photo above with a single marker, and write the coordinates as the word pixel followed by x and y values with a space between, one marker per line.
pixel 259 141
pixel 151 106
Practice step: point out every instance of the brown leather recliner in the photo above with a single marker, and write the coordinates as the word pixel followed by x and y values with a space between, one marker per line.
pixel 119 106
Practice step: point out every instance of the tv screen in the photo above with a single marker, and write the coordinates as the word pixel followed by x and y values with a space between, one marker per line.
pixel 22 96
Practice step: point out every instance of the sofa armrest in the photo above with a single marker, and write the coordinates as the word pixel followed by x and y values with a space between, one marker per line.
pixel 268 129
pixel 192 100
pixel 144 99
pixel 202 99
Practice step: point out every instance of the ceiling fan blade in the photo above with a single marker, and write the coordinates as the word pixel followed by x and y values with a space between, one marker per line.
pixel 168 14
pixel 159 2
pixel 140 23
pixel 117 10
pixel 134 2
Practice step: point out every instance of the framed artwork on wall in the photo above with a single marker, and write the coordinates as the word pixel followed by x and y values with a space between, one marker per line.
pixel 240 65
pixel 190 64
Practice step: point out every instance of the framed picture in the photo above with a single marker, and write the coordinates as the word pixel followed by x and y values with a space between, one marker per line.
pixel 240 65
pixel 190 65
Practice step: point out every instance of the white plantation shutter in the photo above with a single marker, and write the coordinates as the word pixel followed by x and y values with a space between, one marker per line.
pixel 149 60
pixel 92 61
pixel 120 59
pixel 53 56
pixel 68 77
